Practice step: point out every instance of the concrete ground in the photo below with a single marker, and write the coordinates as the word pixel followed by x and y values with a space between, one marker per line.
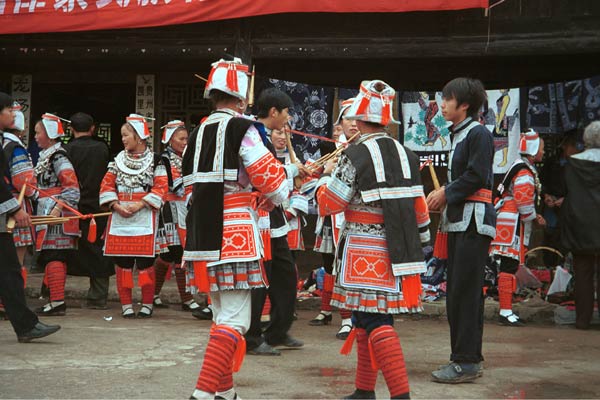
pixel 97 354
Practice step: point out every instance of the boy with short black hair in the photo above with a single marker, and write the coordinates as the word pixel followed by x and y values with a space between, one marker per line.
pixel 469 218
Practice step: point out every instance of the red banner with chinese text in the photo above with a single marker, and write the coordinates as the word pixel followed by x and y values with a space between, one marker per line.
pixel 31 16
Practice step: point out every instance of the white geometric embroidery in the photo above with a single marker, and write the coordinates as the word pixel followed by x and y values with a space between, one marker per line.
pixel 370 267
pixel 230 241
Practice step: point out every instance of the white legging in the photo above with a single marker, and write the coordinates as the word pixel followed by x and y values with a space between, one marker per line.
pixel 232 308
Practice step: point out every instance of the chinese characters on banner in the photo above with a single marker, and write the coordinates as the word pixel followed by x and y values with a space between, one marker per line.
pixel 21 93
pixel 144 102
pixel 30 16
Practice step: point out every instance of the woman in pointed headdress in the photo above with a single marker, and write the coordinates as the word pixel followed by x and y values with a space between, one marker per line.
pixel 171 233
pixel 133 189
pixel 328 229
pixel 376 184
pixel 520 191
pixel 57 179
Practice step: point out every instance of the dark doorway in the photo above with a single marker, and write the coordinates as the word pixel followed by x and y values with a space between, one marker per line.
pixel 108 104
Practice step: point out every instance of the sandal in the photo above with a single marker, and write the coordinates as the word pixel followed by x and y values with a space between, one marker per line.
pixel 343 332
pixel 190 307
pixel 157 302
pixel 321 319
pixel 145 312
pixel 128 313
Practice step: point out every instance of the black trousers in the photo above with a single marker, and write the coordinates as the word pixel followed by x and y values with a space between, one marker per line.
pixel 586 266
pixel 508 265
pixel 282 293
pixel 371 321
pixel 467 254
pixel 140 263
pixel 11 287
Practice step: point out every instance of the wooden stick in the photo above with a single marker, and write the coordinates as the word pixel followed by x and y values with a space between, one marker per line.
pixel 11 223
pixel 251 90
pixel 201 77
pixel 434 178
pixel 104 214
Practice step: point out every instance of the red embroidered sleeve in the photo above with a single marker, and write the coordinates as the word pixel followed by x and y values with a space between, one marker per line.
pixel 68 180
pixel 19 179
pixel 108 188
pixel 422 211
pixel 160 188
pixel 268 176
pixel 329 202
pixel 524 194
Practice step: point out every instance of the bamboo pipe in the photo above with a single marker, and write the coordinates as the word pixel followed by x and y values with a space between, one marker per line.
pixel 323 160
pixel 293 159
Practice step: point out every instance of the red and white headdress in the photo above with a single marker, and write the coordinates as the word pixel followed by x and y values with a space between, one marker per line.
pixel 374 103
pixel 19 117
pixel 139 124
pixel 170 129
pixel 230 77
pixel 529 143
pixel 53 126
pixel 343 107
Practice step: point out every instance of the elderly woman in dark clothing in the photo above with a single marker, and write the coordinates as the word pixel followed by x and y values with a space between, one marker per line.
pixel 581 222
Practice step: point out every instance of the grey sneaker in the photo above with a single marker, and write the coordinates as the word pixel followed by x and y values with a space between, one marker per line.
pixel 457 373
pixel 264 349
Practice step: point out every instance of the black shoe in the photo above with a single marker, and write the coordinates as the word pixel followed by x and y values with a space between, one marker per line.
pixel 145 312
pixel 457 373
pixel 361 394
pixel 321 319
pixel 264 349
pixel 40 330
pixel 96 305
pixel 203 314
pixel 157 302
pixel 50 311
pixel 502 320
pixel 290 343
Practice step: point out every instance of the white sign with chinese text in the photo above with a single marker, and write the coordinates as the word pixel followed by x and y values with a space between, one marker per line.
pixel 21 93
pixel 144 102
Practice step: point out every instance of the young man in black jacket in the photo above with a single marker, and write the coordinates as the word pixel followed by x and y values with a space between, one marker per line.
pixel 469 218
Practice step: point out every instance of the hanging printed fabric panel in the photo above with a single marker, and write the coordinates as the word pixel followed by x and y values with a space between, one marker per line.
pixel 500 115
pixel 425 129
pixel 313 106
pixel 590 110
pixel 555 107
